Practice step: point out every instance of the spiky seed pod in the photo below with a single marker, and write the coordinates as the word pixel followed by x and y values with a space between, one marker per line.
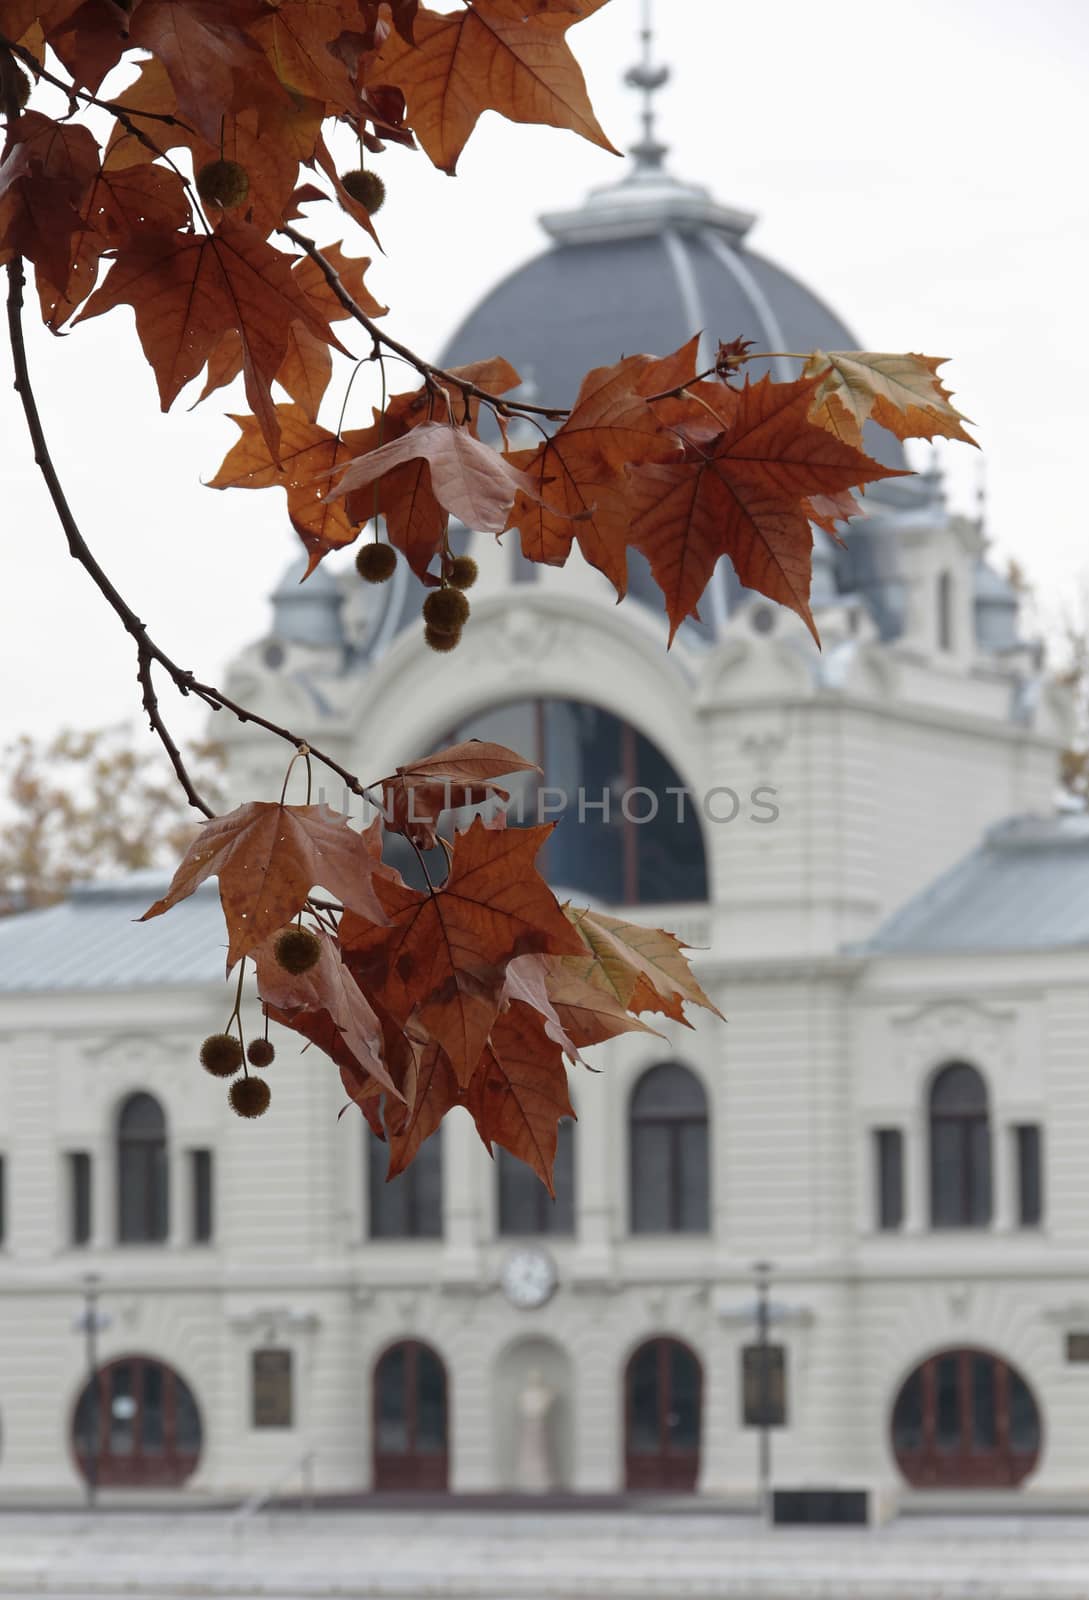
pixel 446 610
pixel 221 1054
pixel 249 1097
pixel 463 572
pixel 442 642
pixel 366 187
pixel 261 1053
pixel 376 563
pixel 14 83
pixel 223 183
pixel 297 950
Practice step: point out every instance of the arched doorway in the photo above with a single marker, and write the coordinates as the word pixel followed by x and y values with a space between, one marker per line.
pixel 136 1426
pixel 965 1419
pixel 410 1419
pixel 663 1394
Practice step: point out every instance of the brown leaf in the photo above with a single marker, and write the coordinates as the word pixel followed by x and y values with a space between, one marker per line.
pixel 518 1096
pixel 461 775
pixel 902 393
pixel 644 969
pixel 212 62
pixel 436 1092
pixel 268 858
pixel 44 182
pixel 581 1010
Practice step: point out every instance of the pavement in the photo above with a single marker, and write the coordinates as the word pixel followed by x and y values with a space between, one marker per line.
pixel 529 1555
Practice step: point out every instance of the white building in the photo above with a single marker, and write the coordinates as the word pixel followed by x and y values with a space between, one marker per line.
pixel 895 1115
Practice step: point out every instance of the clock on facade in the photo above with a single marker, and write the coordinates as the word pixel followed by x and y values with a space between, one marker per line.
pixel 528 1278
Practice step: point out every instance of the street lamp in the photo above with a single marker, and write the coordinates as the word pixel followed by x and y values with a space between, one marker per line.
pixel 91 1322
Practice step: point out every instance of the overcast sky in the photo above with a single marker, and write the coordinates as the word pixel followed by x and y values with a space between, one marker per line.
pixel 921 168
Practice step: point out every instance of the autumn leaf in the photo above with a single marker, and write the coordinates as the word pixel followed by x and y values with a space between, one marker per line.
pixel 498 55
pixel 575 471
pixel 437 1091
pixel 461 775
pixel 295 36
pixel 644 969
pixel 566 990
pixel 518 1096
pixel 44 181
pixel 901 392
pixel 327 1006
pixel 188 291
pixel 268 858
pixel 740 491
pixel 443 955
pixel 213 63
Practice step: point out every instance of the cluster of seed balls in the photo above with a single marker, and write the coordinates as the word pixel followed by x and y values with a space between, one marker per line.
pixel 226 184
pixel 446 610
pixel 296 950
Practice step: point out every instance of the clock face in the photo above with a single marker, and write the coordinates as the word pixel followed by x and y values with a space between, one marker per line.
pixel 528 1278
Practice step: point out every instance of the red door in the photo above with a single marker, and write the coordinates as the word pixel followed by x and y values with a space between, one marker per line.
pixel 410 1419
pixel 663 1399
pixel 965 1419
pixel 137 1426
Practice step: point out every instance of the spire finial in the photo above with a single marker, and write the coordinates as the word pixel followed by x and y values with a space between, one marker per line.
pixel 649 153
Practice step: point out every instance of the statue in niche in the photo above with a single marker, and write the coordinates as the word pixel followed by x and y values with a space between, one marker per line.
pixel 535 1470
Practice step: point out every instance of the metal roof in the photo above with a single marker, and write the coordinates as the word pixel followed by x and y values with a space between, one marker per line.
pixel 1026 887
pixel 93 941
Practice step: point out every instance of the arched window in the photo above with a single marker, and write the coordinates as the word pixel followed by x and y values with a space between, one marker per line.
pixel 410 1205
pixel 525 1205
pixel 670 1179
pixel 410 1418
pixel 965 1419
pixel 628 832
pixel 663 1391
pixel 960 1149
pixel 137 1425
pixel 141 1171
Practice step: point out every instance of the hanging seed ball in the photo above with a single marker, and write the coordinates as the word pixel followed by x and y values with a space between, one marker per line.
pixel 261 1053
pixel 223 183
pixel 376 563
pixel 463 572
pixel 14 82
pixel 221 1054
pixel 442 642
pixel 297 950
pixel 249 1097
pixel 446 610
pixel 366 187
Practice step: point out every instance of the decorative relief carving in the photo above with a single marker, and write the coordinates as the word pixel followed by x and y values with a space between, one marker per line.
pixel 956 1030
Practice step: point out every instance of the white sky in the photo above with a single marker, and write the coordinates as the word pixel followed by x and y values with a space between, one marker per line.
pixel 922 168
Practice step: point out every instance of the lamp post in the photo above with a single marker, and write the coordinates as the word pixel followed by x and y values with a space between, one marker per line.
pixel 91 1322
pixel 762 1270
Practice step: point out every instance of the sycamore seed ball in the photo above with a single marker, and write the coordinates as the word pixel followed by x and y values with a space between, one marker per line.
pixel 249 1097
pixel 221 1054
pixel 297 950
pixel 223 183
pixel 446 610
pixel 440 641
pixel 376 563
pixel 14 82
pixel 261 1053
pixel 463 572
pixel 366 187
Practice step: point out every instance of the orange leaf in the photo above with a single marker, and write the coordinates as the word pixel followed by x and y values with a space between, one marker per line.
pixel 645 969
pixel 460 775
pixel 498 55
pixel 212 61
pixel 582 1012
pixel 443 955
pixel 44 182
pixel 518 1095
pixel 268 858
pixel 437 1092
pixel 902 393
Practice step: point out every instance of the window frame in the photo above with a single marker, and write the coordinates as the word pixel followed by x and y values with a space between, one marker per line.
pixel 675 1122
pixel 967 1123
pixel 143 1155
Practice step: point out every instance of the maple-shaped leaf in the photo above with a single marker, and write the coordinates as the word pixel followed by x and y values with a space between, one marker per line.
pixel 44 181
pixel 307 451
pixel 402 1052
pixel 213 63
pixel 295 36
pixel 497 55
pixel 902 393
pixel 518 1095
pixel 188 291
pixel 461 775
pixel 740 491
pixel 645 969
pixel 576 469
pixel 268 857
pixel 437 1091
pixel 351 271
pixel 90 41
pixel 567 991
pixel 327 1006
pixel 443 955
pixel 470 480
pixel 828 509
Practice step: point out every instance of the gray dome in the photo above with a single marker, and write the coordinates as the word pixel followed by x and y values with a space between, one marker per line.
pixel 996 606
pixel 308 613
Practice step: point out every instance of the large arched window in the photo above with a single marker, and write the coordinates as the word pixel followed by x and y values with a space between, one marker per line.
pixel 141 1171
pixel 669 1159
pixel 410 1418
pixel 663 1402
pixel 525 1205
pixel 408 1206
pixel 960 1149
pixel 965 1419
pixel 137 1425
pixel 628 831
